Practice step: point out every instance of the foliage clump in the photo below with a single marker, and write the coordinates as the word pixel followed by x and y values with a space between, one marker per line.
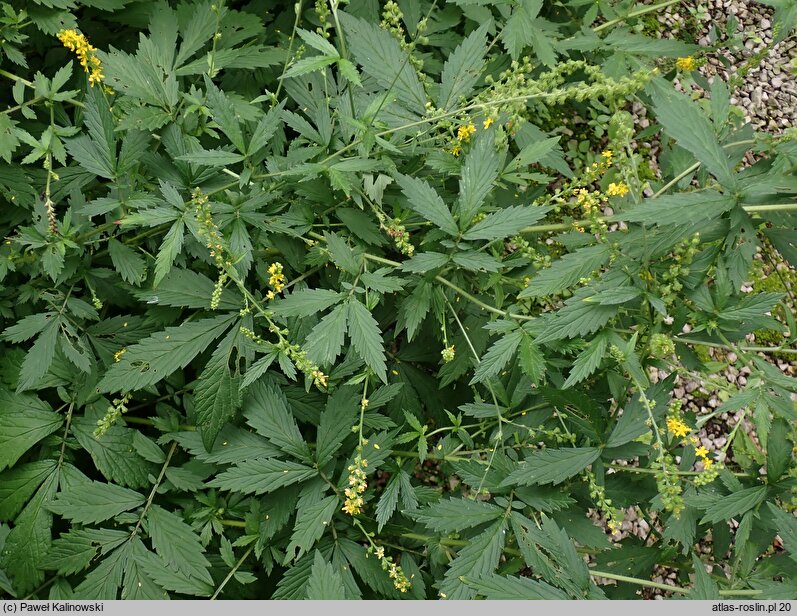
pixel 319 301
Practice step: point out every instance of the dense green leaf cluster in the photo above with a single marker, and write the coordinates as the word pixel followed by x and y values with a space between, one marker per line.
pixel 311 302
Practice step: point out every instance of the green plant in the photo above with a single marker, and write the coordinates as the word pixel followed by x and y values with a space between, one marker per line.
pixel 303 296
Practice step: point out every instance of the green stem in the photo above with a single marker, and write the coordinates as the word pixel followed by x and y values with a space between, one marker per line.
pixel 66 433
pixel 678 589
pixel 637 13
pixel 564 226
pixel 774 207
pixel 481 304
pixel 143 421
pixel 14 77
pixel 288 55
pixel 154 491
pixel 651 471
pixel 232 572
pixel 749 349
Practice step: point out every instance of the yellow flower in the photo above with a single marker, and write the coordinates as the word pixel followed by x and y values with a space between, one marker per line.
pixel 319 378
pixel 487 123
pixel 617 190
pixel 465 131
pixel 351 507
pixel 79 44
pixel 707 462
pixel 118 355
pixel 686 64
pixel 607 154
pixel 702 452
pixel 277 278
pixel 357 485
pixel 456 150
pixel 677 427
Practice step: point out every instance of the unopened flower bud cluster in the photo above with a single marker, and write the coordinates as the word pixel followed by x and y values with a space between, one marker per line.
pixel 115 411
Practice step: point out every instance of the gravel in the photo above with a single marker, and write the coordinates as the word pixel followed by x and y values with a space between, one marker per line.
pixel 768 91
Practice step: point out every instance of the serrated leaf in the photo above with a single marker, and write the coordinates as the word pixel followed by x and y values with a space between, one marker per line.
pixel 479 171
pixel 27 544
pixel 734 505
pixel 341 254
pixel 131 267
pixel 187 289
pixel 683 120
pixel 476 261
pixel 749 308
pixel 138 585
pixel 552 466
pixel 588 360
pixel 424 262
pixel 576 319
pixel 212 158
pixel 380 282
pixel 309 65
pixel 424 200
pixel 335 422
pixel 75 550
pixel 163 574
pixel 505 222
pixel 786 524
pixel 306 302
pixel 388 501
pixel 171 246
pixel 311 522
pixel 498 587
pixel 618 295
pixel 39 358
pixel 261 475
pixel 18 484
pixel 24 421
pixel 704 588
pixel 414 308
pixel 474 561
pixel 102 583
pixel 455 514
pixel 197 32
pixel 89 503
pixel 462 69
pixel 367 338
pixel 268 413
pixel 27 327
pixel 780 450
pixel 534 152
pixel 567 271
pixel 176 543
pixel 679 209
pixel 361 224
pixel 114 453
pixel 381 57
pixel 217 392
pixel 325 583
pixel 265 129
pixel 157 356
pixel 233 445
pixel 223 112
pixel 497 357
pixel 531 359
pixel 323 344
